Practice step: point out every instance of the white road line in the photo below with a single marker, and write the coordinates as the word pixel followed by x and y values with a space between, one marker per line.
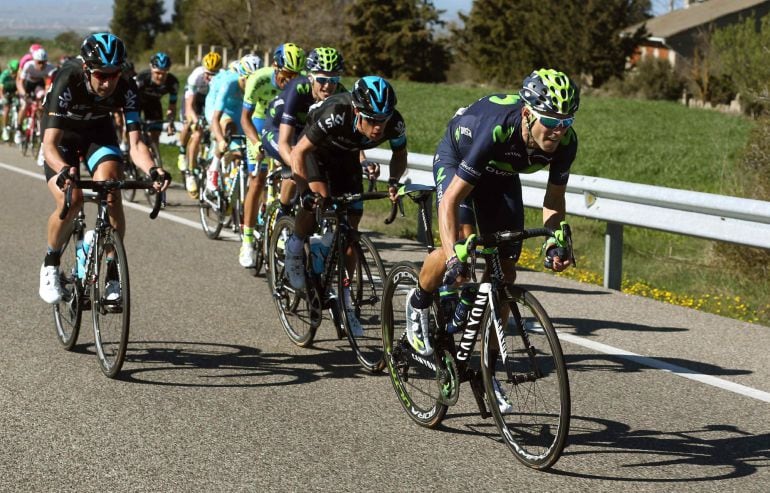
pixel 580 341
pixel 662 365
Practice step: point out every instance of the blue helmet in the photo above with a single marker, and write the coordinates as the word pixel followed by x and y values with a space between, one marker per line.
pixel 374 96
pixel 103 50
pixel 160 61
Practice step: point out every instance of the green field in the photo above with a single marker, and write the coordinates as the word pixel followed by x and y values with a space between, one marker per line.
pixel 651 142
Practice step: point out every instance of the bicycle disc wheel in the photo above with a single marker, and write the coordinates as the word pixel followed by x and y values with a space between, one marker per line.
pixel 365 304
pixel 415 378
pixel 294 308
pixel 533 378
pixel 68 312
pixel 111 310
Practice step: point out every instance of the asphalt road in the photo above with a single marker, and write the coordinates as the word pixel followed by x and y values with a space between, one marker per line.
pixel 214 397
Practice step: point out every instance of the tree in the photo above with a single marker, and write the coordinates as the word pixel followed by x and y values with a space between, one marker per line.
pixel 506 39
pixel 137 23
pixel 395 39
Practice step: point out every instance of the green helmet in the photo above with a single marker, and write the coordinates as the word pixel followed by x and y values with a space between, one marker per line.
pixel 13 65
pixel 551 91
pixel 290 57
pixel 325 60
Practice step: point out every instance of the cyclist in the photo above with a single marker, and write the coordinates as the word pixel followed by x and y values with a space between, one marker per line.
pixel 192 110
pixel 326 159
pixel 261 87
pixel 476 168
pixel 31 83
pixel 289 110
pixel 153 84
pixel 78 122
pixel 223 109
pixel 7 93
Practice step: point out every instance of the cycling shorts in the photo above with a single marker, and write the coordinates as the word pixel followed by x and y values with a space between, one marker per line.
pixel 32 88
pixel 494 204
pixel 96 145
pixel 341 172
pixel 198 105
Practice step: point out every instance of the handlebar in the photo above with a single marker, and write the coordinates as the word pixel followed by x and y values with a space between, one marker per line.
pixel 106 186
pixel 502 238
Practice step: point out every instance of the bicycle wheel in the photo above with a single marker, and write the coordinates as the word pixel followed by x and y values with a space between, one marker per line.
pixel 298 318
pixel 129 173
pixel 415 378
pixel 213 211
pixel 532 374
pixel 364 303
pixel 68 312
pixel 271 217
pixel 111 315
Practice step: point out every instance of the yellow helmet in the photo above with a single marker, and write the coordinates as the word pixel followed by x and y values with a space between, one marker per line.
pixel 212 62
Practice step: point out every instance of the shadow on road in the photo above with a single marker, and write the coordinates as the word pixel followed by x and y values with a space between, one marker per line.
pixel 710 453
pixel 587 326
pixel 202 364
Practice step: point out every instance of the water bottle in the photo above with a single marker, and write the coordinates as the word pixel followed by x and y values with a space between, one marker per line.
pixel 81 252
pixel 449 298
pixel 316 255
pixel 460 315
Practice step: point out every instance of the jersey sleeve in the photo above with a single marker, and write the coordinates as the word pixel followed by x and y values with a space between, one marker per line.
pixel 558 173
pixel 131 105
pixel 292 104
pixel 58 102
pixel 474 143
pixel 396 132
pixel 173 89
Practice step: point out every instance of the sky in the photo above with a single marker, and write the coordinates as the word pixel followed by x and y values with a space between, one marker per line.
pixel 46 18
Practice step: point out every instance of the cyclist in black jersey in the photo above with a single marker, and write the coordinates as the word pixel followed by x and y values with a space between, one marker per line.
pixel 326 159
pixel 476 168
pixel 153 84
pixel 77 123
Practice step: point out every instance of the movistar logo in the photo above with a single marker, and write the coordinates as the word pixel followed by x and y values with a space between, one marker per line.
pixel 440 176
pixel 509 99
pixel 500 134
pixel 303 88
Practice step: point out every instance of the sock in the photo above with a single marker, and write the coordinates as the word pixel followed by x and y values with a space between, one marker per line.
pixel 421 299
pixel 52 257
pixel 248 235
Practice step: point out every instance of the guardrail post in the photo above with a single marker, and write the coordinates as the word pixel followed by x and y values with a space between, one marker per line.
pixel 613 256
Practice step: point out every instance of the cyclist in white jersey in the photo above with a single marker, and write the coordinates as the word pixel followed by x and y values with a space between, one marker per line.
pixel 196 89
pixel 31 83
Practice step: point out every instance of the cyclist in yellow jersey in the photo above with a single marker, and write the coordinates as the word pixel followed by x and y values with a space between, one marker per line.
pixel 261 87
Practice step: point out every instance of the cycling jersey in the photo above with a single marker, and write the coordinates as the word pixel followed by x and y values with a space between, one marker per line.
pixel 197 82
pixel 487 139
pixel 225 95
pixel 150 94
pixel 8 81
pixel 85 118
pixel 261 88
pixel 30 72
pixel 331 125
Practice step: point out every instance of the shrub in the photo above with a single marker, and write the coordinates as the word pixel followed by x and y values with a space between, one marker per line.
pixel 652 78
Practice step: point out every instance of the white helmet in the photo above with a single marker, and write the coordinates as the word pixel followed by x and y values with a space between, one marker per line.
pixel 40 55
pixel 248 64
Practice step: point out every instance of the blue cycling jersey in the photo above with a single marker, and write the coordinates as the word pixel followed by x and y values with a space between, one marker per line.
pixel 225 95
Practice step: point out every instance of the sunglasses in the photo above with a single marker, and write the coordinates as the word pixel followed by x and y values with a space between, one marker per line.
pixel 552 123
pixel 375 118
pixel 326 80
pixel 105 75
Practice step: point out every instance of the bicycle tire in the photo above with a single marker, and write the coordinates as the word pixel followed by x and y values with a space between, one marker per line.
pixel 535 382
pixel 129 173
pixel 294 307
pixel 212 209
pixel 366 285
pixel 415 379
pixel 67 314
pixel 111 318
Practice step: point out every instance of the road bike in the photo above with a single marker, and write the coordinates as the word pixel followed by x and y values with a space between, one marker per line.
pixel 223 206
pixel 520 361
pixel 347 282
pixel 90 283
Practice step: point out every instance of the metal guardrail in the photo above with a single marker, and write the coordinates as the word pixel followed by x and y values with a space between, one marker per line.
pixel 696 214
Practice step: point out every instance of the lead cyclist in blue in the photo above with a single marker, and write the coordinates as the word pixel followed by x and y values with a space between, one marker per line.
pixel 476 168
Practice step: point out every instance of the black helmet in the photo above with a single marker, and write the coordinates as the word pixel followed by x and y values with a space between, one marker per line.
pixel 374 96
pixel 103 50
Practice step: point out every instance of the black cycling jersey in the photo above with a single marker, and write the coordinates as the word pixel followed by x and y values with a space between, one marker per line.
pixel 152 92
pixel 331 125
pixel 487 139
pixel 70 105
